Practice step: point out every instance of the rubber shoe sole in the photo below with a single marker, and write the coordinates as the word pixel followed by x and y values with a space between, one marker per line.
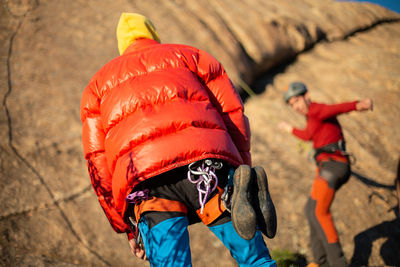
pixel 242 212
pixel 265 209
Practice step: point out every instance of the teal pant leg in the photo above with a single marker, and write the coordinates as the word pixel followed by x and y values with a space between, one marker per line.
pixel 247 253
pixel 167 243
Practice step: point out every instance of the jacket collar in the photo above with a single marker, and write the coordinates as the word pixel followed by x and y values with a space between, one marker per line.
pixel 139 44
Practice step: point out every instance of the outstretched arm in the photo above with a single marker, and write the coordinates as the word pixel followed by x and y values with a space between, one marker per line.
pixel 302 134
pixel 326 111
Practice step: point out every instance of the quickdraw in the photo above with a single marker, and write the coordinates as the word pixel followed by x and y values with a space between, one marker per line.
pixel 134 198
pixel 228 191
pixel 136 233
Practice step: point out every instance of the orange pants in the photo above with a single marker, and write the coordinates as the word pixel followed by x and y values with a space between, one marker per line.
pixel 331 175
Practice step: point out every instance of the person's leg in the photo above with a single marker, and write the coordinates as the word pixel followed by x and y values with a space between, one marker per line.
pixel 165 234
pixel 316 244
pixel 253 252
pixel 322 195
pixel 166 241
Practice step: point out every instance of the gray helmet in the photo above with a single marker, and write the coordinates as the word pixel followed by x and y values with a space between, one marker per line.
pixel 294 89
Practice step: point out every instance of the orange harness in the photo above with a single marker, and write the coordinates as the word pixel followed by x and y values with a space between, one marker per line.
pixel 333 157
pixel 211 211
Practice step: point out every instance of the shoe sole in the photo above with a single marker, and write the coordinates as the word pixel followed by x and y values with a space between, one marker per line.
pixel 266 214
pixel 242 212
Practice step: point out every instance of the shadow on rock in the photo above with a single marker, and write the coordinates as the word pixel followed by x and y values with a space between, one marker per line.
pixel 388 229
pixel 364 240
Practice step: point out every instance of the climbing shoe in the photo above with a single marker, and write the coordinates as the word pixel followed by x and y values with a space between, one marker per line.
pixel 263 205
pixel 242 212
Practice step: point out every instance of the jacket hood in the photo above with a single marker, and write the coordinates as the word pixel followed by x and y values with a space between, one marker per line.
pixel 133 26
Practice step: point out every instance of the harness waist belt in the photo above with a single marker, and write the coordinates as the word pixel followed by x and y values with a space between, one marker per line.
pixel 212 209
pixel 331 148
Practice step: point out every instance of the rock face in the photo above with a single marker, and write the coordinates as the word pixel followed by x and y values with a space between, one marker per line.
pixel 49 214
pixel 354 68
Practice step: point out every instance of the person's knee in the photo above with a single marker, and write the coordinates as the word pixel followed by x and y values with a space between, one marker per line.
pixel 318 209
pixel 322 213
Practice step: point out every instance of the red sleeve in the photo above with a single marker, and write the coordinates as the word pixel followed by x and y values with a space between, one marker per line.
pixel 302 134
pixel 227 101
pixel 323 111
pixel 93 137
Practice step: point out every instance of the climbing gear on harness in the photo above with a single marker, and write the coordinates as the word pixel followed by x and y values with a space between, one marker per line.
pixel 138 196
pixel 213 208
pixel 339 146
pixel 133 198
pixel 263 205
pixel 228 191
pixel 306 147
pixel 206 181
pixel 149 200
pixel 242 212
pixel 136 233
pixel 294 89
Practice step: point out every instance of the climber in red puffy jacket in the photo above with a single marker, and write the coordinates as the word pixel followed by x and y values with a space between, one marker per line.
pixel 161 124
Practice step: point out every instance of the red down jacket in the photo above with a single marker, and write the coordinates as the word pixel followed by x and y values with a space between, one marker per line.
pixel 155 108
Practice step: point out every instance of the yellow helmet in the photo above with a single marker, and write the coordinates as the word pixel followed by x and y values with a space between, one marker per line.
pixel 133 26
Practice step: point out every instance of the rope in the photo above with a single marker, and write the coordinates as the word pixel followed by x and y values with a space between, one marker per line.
pixel 206 181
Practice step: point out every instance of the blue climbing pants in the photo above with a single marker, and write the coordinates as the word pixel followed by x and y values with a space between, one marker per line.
pixel 167 244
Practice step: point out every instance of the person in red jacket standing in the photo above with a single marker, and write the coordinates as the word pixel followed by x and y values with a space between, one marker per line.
pixel 333 167
pixel 165 139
